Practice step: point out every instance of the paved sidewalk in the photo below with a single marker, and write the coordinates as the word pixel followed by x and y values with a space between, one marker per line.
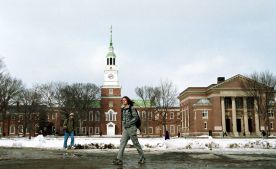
pixel 12 158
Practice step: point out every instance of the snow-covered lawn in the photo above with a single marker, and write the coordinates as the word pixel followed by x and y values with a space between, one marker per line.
pixel 154 144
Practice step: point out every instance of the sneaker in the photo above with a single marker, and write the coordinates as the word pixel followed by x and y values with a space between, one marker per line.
pixel 142 161
pixel 117 162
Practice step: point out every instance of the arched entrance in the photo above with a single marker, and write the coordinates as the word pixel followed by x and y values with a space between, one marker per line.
pixel 110 129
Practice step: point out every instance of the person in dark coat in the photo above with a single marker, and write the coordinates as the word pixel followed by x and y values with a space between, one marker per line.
pixel 167 135
pixel 69 129
pixel 129 118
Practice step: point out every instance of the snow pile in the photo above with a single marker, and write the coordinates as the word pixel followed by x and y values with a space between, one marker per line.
pixel 147 143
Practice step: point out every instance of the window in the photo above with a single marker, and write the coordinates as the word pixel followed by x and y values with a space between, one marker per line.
pixel 239 103
pixel 1 130
pixel 271 114
pixel 111 116
pixel 85 116
pixel 172 115
pixel 97 116
pixel 271 125
pixel 150 130
pixel 110 91
pixel 36 127
pixel 20 129
pixel 205 114
pixel 144 130
pixel 157 130
pixel 78 130
pixel 144 115
pixel 250 102
pixel 12 129
pixel 91 116
pixel 83 130
pixel 48 116
pixel 228 103
pixel 20 117
pixel 178 114
pixel 97 130
pixel 172 129
pixel 90 130
pixel 150 116
pixel 53 116
pixel 110 104
pixel 156 117
pixel 205 125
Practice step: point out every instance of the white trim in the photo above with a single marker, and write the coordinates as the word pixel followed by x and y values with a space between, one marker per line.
pixel 111 97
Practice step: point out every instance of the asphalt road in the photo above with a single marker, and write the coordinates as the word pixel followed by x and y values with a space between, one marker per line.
pixel 26 158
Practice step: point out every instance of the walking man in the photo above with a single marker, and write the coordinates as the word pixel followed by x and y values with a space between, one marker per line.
pixel 69 129
pixel 129 118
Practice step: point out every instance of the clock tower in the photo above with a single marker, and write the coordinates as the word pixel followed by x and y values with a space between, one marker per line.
pixel 111 95
pixel 111 69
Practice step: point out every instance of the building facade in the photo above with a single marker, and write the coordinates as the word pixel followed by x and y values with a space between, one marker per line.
pixel 105 118
pixel 221 109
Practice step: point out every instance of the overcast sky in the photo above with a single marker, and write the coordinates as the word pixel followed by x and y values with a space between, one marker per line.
pixel 190 42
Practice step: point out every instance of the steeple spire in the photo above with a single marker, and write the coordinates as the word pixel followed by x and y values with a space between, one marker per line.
pixel 110 36
pixel 111 69
pixel 111 55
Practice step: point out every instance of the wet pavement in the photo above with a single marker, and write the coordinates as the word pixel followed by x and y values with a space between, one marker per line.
pixel 27 158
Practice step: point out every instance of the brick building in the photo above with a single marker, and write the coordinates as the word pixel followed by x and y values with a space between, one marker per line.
pixel 221 108
pixel 105 117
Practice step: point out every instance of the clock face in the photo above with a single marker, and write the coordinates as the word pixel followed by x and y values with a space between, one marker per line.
pixel 110 76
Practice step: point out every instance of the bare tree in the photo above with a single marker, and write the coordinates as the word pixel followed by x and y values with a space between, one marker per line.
pixel 1 67
pixel 167 99
pixel 78 97
pixel 261 86
pixel 85 97
pixel 159 99
pixel 148 96
pixel 55 96
pixel 10 88
pixel 29 105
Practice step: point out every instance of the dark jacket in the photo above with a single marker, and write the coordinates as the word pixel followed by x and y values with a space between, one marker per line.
pixel 129 118
pixel 69 125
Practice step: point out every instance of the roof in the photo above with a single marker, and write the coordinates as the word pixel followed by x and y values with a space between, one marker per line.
pixel 140 103
pixel 203 90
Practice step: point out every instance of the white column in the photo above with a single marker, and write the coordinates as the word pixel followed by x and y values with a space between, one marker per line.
pixel 234 118
pixel 185 124
pixel 223 114
pixel 245 117
pixel 188 121
pixel 182 122
pixel 257 122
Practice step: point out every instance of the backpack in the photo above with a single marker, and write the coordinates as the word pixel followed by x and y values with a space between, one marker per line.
pixel 138 122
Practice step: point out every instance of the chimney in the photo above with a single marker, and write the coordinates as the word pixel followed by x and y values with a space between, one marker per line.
pixel 221 79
